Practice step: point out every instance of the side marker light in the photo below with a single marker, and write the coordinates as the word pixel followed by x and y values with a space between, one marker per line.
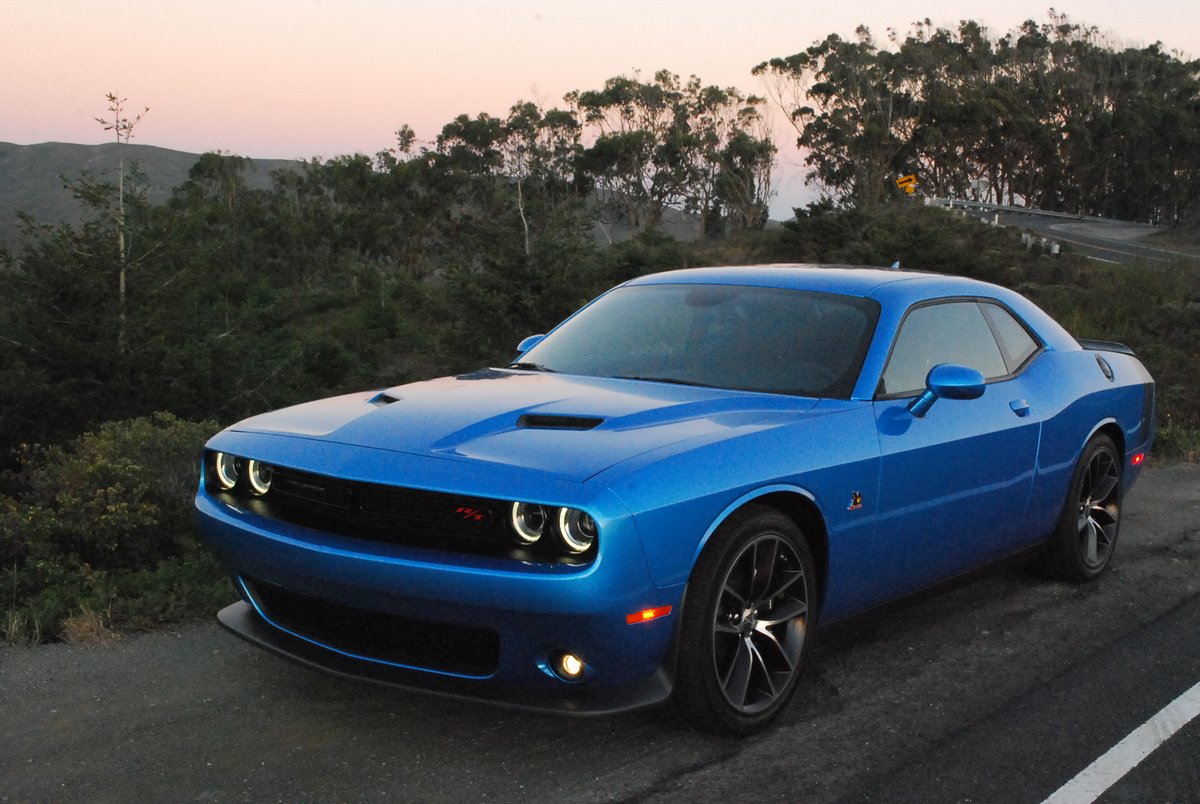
pixel 646 615
pixel 1138 458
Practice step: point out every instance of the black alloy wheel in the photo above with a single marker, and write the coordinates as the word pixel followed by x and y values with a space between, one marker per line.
pixel 747 623
pixel 1087 530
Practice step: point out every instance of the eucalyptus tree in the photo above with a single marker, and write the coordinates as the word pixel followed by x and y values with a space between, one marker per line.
pixel 669 143
pixel 1052 115
pixel 731 160
pixel 635 158
pixel 853 108
pixel 541 149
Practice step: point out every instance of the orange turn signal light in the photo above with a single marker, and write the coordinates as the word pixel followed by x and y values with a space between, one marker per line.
pixel 646 615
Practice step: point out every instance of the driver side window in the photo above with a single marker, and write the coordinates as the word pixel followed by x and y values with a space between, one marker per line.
pixel 950 332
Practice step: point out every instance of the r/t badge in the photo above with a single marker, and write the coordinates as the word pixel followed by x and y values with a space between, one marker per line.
pixel 855 501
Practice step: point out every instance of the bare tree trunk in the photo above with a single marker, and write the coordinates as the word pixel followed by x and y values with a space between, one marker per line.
pixel 524 222
pixel 122 345
pixel 122 126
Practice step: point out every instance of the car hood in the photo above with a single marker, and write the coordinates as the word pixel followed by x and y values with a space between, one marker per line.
pixel 569 426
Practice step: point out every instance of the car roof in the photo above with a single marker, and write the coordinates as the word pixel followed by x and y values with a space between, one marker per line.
pixel 895 291
pixel 875 283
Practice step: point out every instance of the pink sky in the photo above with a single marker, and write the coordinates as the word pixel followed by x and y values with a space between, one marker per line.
pixel 303 78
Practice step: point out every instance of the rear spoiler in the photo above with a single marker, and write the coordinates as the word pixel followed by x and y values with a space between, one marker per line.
pixel 1105 346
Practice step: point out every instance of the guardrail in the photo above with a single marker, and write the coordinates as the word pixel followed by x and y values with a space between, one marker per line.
pixel 1047 245
pixel 1051 245
pixel 958 203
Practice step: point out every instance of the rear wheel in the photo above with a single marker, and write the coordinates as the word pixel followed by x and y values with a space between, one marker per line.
pixel 746 623
pixel 1087 530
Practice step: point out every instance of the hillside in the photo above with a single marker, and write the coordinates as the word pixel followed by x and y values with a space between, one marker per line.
pixel 1184 235
pixel 31 177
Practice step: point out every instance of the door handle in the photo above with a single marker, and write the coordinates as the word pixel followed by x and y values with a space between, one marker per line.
pixel 1019 407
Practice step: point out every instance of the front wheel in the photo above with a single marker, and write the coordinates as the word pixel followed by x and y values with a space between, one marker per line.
pixel 1086 535
pixel 746 624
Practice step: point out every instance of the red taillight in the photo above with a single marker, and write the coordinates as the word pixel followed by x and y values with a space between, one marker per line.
pixel 1137 459
pixel 646 615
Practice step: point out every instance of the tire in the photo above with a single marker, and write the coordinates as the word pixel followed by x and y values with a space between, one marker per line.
pixel 1086 534
pixel 747 623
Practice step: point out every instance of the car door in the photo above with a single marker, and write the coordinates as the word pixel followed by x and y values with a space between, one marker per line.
pixel 955 483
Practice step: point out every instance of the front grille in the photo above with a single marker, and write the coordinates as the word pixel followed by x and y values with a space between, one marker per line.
pixel 386 637
pixel 402 516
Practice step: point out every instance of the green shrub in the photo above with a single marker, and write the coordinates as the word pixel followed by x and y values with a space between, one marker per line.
pixel 1179 443
pixel 104 524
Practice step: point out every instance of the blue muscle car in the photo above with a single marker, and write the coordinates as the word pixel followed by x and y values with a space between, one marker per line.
pixel 663 497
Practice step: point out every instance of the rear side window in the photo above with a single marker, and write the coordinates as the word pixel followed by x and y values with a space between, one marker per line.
pixel 1016 344
pixel 950 332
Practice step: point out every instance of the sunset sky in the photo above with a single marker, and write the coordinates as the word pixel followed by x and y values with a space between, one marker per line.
pixel 304 78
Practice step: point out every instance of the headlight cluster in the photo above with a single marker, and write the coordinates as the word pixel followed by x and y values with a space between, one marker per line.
pixel 575 530
pixel 229 473
pixel 401 515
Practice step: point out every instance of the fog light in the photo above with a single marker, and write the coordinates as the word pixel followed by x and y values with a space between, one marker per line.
pixel 570 666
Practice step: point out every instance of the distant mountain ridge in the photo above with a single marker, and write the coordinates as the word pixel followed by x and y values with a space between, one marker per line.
pixel 31 178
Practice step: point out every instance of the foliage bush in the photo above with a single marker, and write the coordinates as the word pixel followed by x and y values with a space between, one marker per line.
pixel 103 523
pixel 1181 443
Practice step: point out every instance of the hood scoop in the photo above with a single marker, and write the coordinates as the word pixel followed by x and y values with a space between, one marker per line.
pixel 383 398
pixel 542 421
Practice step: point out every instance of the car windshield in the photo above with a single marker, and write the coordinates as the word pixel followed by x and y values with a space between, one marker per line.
pixel 743 338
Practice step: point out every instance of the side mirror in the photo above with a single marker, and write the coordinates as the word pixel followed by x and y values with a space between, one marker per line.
pixel 947 381
pixel 528 343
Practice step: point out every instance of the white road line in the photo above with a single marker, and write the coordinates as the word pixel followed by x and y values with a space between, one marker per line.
pixel 1125 252
pixel 1102 774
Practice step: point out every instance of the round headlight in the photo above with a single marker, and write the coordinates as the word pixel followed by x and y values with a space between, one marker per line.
pixel 259 475
pixel 226 467
pixel 528 522
pixel 576 529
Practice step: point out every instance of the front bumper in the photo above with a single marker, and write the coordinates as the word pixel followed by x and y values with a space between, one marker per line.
pixel 242 620
pixel 532 612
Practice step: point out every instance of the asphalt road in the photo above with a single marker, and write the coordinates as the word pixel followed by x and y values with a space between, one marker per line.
pixel 1107 241
pixel 1000 689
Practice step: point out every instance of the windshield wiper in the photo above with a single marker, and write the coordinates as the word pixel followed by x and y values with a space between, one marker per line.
pixel 531 367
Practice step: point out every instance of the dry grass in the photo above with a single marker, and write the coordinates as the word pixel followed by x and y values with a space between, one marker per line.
pixel 88 627
pixel 18 630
